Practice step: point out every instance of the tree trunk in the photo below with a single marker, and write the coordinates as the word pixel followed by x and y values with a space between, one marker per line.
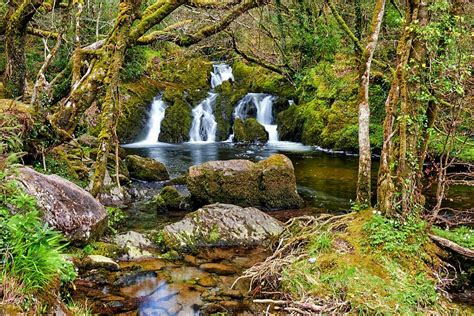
pixel 17 18
pixel 364 177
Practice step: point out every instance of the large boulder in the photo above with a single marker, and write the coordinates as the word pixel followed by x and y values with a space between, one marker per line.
pixel 249 131
pixel 268 184
pixel 222 225
pixel 146 169
pixel 64 205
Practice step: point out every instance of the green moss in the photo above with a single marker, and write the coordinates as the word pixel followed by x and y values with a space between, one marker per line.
pixel 178 119
pixel 168 199
pixel 257 79
pixel 462 235
pixel 361 265
pixel 249 131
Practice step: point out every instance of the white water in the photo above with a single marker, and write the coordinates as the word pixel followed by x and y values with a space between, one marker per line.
pixel 204 126
pixel 263 104
pixel 221 73
pixel 156 116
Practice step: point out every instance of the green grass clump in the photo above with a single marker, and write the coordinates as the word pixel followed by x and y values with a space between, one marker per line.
pixel 462 235
pixel 375 265
pixel 31 253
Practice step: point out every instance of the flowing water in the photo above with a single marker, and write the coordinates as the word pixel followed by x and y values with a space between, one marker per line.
pixel 155 117
pixel 204 125
pixel 259 105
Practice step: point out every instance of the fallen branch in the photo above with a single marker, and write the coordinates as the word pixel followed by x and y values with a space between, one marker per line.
pixel 465 252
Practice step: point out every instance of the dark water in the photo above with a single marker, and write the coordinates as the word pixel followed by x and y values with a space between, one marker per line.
pixel 326 180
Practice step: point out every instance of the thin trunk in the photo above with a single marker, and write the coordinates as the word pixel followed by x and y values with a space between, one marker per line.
pixel 365 161
pixel 18 16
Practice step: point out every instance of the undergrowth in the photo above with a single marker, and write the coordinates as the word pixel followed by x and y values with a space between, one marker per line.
pixel 462 235
pixel 359 263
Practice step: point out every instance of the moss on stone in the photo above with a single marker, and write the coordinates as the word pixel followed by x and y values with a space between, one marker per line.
pixel 178 119
pixel 146 168
pixel 249 131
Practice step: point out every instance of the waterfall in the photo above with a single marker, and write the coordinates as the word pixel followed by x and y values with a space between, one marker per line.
pixel 157 114
pixel 204 126
pixel 263 105
pixel 221 73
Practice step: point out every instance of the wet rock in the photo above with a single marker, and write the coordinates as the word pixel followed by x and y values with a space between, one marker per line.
pixel 269 184
pixel 146 169
pixel 134 243
pixel 218 268
pixel 222 225
pixel 190 259
pixel 171 199
pixel 100 262
pixel 232 293
pixel 206 281
pixel 65 206
pixel 249 131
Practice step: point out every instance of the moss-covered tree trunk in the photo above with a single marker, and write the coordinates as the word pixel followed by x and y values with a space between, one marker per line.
pixel 398 160
pixel 365 162
pixel 20 13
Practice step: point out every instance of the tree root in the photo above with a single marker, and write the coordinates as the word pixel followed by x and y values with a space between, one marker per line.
pixel 265 277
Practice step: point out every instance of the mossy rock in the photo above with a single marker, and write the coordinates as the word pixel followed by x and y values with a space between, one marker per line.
pixel 178 118
pixel 269 184
pixel 249 131
pixel 221 225
pixel 146 169
pixel 228 96
pixel 170 199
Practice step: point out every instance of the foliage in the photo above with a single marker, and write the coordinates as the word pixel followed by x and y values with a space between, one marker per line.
pixel 116 218
pixel 358 266
pixel 462 235
pixel 30 251
pixel 134 64
pixel 395 237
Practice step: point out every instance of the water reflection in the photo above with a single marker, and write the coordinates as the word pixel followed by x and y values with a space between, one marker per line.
pixel 325 180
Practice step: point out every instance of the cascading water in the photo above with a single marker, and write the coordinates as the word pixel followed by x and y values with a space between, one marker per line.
pixel 204 126
pixel 157 114
pixel 221 73
pixel 263 104
pixel 204 123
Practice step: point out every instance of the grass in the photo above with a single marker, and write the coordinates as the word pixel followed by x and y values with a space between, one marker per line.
pixel 374 265
pixel 462 235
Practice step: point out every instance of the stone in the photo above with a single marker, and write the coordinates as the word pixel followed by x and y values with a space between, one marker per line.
pixel 218 268
pixel 146 169
pixel 221 225
pixel 100 262
pixel 170 199
pixel 206 281
pixel 134 244
pixel 249 131
pixel 269 184
pixel 64 205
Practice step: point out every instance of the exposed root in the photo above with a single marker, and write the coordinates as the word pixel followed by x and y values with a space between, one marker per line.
pixel 265 277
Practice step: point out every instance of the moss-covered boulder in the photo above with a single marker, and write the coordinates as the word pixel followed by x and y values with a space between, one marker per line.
pixel 221 225
pixel 249 131
pixel 269 184
pixel 170 199
pixel 146 169
pixel 178 118
pixel 228 94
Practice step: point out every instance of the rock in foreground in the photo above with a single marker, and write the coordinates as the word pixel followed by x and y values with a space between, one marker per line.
pixel 268 184
pixel 222 225
pixel 65 206
pixel 146 169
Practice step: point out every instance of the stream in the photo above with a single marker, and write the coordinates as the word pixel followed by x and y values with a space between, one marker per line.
pixel 182 286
